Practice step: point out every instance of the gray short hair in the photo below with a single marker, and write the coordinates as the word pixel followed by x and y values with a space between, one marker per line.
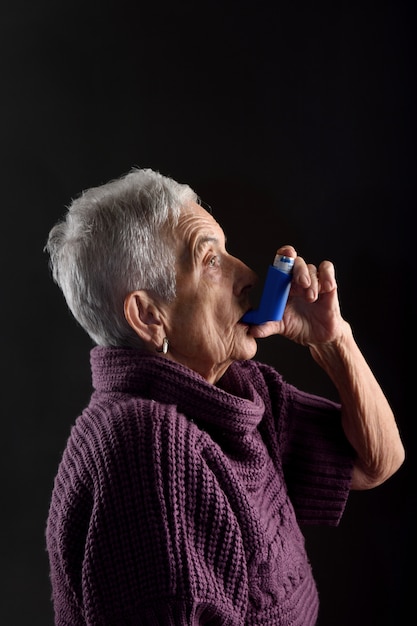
pixel 115 239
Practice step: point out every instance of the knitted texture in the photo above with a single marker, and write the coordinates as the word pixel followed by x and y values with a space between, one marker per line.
pixel 176 501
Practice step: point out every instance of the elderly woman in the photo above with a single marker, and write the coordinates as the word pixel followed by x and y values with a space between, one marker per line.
pixel 181 492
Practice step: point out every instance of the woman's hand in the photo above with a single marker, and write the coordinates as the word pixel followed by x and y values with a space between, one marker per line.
pixel 312 315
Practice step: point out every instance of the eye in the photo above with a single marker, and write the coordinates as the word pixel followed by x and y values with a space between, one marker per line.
pixel 213 261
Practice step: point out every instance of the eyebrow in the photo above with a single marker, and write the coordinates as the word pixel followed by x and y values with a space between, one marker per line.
pixel 201 241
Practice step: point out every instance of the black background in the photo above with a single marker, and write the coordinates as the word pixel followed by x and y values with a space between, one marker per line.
pixel 295 121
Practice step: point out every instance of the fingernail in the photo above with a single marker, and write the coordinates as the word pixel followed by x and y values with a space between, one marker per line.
pixel 311 295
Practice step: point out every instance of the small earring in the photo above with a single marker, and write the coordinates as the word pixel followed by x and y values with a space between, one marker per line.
pixel 165 346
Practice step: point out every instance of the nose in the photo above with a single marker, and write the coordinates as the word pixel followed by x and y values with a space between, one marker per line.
pixel 244 278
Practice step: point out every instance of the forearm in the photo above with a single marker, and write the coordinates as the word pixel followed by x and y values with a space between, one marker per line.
pixel 367 418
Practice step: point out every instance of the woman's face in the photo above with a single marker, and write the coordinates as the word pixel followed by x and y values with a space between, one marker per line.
pixel 202 323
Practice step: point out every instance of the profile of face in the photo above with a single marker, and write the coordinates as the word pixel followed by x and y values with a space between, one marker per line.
pixel 202 323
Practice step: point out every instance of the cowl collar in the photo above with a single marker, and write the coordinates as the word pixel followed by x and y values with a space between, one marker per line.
pixel 233 405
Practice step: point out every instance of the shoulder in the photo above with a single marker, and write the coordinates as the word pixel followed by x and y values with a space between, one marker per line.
pixel 135 454
pixel 143 442
pixel 126 455
pixel 121 422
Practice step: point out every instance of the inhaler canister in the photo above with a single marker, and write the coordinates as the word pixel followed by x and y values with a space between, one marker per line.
pixel 275 293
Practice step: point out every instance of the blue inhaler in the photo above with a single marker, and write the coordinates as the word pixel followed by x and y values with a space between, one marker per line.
pixel 275 293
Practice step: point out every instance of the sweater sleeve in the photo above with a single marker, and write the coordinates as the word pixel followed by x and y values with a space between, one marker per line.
pixel 138 531
pixel 317 459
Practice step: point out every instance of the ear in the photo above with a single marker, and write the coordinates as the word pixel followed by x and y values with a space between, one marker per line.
pixel 144 316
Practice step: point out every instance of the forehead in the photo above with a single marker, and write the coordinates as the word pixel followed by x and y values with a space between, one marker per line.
pixel 196 224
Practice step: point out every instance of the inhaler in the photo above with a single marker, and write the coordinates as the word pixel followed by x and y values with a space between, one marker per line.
pixel 275 293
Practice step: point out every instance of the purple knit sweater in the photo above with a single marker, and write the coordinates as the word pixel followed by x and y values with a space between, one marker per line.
pixel 179 502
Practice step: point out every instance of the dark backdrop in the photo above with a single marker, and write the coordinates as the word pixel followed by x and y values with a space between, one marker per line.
pixel 296 123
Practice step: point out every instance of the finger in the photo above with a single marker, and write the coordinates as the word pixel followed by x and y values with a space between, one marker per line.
pixel 313 290
pixel 265 330
pixel 327 277
pixel 287 250
pixel 301 274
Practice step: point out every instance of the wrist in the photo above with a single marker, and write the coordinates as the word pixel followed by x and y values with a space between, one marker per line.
pixel 331 353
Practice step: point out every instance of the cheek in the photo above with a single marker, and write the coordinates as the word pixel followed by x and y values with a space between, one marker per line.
pixel 189 323
pixel 205 333
pixel 203 321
